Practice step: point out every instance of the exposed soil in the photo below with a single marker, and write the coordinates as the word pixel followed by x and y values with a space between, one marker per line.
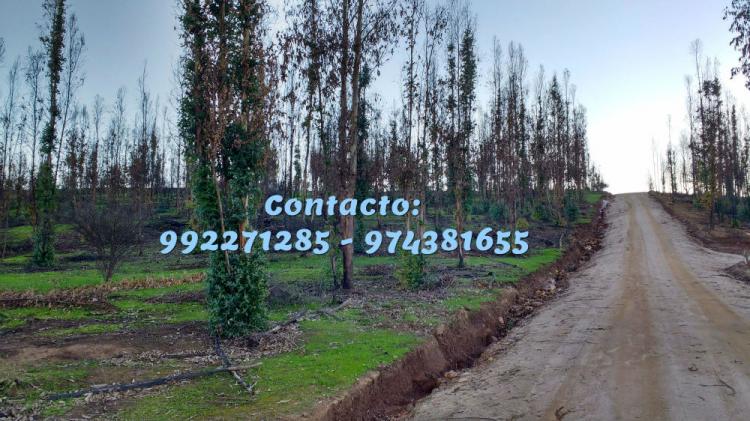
pixel 651 328
pixel 28 347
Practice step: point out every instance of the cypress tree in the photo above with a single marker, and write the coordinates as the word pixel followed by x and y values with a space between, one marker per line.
pixel 44 252
pixel 226 148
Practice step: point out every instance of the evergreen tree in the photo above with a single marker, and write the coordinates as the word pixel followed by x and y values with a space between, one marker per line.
pixel 222 121
pixel 44 252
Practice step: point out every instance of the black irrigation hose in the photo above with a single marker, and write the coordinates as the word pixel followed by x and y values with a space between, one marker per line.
pixel 143 384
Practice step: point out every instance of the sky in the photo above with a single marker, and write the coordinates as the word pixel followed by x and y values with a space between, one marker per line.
pixel 628 60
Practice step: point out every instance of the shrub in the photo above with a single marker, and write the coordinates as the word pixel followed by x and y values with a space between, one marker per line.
pixel 107 228
pixel 236 301
pixel 542 213
pixel 499 212
pixel 522 224
pixel 411 272
pixel 571 209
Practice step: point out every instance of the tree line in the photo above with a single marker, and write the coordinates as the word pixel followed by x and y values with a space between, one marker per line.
pixel 710 160
pixel 291 110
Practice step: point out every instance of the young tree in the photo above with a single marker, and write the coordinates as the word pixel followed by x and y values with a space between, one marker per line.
pixel 462 75
pixel 140 170
pixel 710 132
pixel 9 124
pixel 106 227
pixel 374 30
pixel 72 78
pixel 672 170
pixel 223 122
pixel 43 255
pixel 33 76
pixel 558 140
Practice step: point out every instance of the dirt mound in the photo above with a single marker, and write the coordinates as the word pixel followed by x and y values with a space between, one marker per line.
pixel 740 271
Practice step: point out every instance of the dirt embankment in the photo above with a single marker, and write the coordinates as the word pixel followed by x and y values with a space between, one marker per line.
pixel 390 390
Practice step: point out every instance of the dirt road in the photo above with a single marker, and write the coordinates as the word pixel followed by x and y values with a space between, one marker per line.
pixel 650 329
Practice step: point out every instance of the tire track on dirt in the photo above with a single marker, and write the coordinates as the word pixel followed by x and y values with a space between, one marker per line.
pixel 626 349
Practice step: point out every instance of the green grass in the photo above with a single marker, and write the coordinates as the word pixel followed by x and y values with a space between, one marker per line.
pixel 515 269
pixel 16 317
pixel 281 313
pixel 161 312
pixel 292 268
pixel 469 300
pixel 89 329
pixel 592 197
pixel 18 260
pixel 49 280
pixel 534 260
pixel 528 262
pixel 29 382
pixel 146 293
pixel 334 355
pixel 20 235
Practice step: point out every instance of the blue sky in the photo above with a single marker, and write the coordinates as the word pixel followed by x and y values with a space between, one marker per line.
pixel 627 58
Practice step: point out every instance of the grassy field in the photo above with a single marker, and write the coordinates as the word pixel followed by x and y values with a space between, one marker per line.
pixel 157 330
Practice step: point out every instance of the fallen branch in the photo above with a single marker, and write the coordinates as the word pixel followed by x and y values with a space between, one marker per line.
pixel 295 318
pixel 121 387
pixel 228 366
pixel 301 315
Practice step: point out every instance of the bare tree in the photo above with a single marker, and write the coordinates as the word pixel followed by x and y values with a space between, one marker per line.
pixel 9 124
pixel 108 229
pixel 33 74
pixel 72 77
